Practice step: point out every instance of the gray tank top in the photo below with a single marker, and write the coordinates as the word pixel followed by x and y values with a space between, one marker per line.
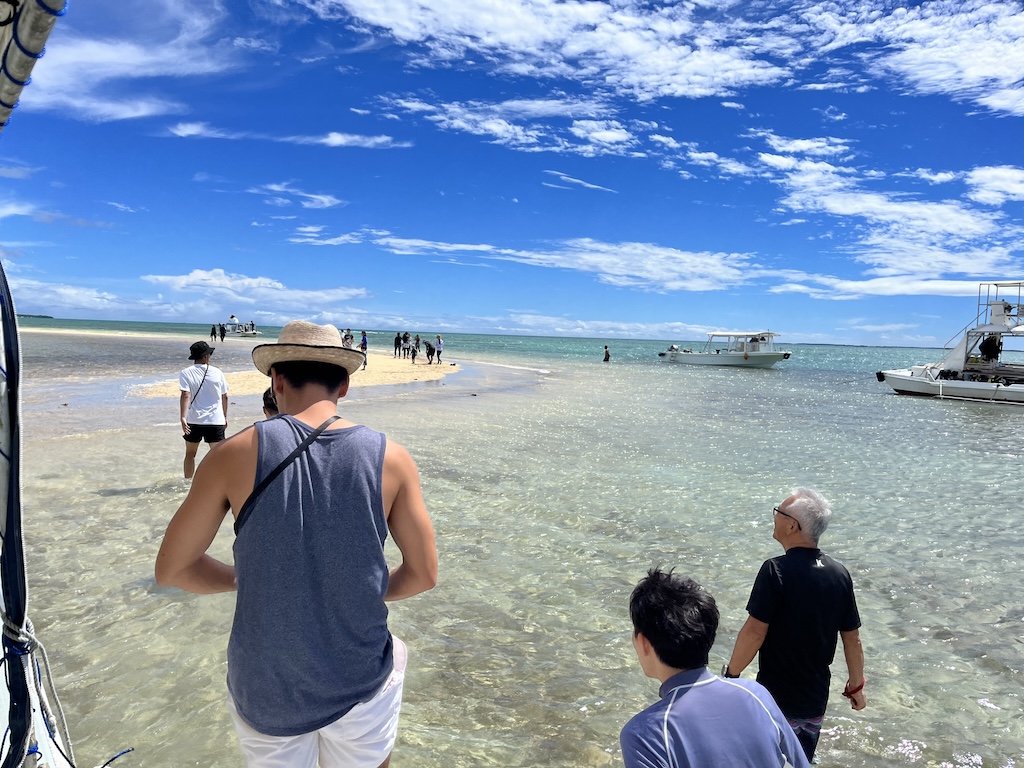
pixel 310 638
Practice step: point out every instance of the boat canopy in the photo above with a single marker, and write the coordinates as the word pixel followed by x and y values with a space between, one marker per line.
pixel 24 28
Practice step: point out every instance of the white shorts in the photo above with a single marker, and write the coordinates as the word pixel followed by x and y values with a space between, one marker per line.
pixel 362 738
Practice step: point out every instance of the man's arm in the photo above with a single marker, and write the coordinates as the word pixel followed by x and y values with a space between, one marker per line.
pixel 224 406
pixel 854 653
pixel 182 560
pixel 409 524
pixel 748 643
pixel 183 410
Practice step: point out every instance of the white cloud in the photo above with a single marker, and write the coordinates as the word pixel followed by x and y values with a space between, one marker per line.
pixel 994 185
pixel 193 130
pixel 277 196
pixel 17 171
pixel 255 44
pixel 100 79
pixel 121 207
pixel 260 292
pixel 966 49
pixel 579 182
pixel 8 208
pixel 639 265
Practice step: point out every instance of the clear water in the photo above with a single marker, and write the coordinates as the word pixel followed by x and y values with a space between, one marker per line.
pixel 554 482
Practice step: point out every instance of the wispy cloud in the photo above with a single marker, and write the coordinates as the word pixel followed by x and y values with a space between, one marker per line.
pixel 578 182
pixel 245 291
pixel 200 130
pixel 283 194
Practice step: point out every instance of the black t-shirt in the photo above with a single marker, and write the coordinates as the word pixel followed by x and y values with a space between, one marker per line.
pixel 806 598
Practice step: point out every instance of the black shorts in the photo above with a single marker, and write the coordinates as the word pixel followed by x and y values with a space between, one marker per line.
pixel 212 433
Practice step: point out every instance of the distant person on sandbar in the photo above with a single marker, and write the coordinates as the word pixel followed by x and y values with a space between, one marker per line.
pixel 314 674
pixel 701 721
pixel 801 603
pixel 413 351
pixel 223 331
pixel 213 333
pixel 203 405
pixel 363 346
pixel 398 343
pixel 269 403
pixel 439 348
pixel 607 354
pixel 430 352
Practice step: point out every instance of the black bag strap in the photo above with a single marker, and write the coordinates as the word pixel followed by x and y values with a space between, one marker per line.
pixel 196 393
pixel 243 514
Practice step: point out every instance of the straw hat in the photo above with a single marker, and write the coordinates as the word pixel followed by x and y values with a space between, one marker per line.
pixel 307 342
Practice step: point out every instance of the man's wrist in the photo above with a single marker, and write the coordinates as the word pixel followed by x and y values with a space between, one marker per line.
pixel 849 692
pixel 727 673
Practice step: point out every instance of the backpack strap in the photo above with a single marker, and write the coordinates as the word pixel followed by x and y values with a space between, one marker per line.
pixel 246 510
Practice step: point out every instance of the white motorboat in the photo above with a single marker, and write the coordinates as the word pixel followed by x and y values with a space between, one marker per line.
pixel 744 350
pixel 233 327
pixel 974 368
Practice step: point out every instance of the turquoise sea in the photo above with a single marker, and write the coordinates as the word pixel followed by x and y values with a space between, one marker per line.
pixel 554 482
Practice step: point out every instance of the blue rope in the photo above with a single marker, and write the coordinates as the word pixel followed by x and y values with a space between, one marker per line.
pixel 122 753
pixel 22 48
pixel 12 78
pixel 50 11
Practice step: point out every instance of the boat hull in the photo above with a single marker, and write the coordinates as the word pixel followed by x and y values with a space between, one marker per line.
pixel 733 359
pixel 905 382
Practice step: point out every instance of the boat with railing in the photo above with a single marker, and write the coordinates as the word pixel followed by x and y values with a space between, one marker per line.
pixel 985 363
pixel 741 349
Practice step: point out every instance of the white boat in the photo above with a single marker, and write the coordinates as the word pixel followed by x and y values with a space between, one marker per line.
pixel 233 327
pixel 744 350
pixel 973 369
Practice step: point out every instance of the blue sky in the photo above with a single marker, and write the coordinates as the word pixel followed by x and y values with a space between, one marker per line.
pixel 843 171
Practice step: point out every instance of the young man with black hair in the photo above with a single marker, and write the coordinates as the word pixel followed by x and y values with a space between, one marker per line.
pixel 315 676
pixel 203 405
pixel 701 721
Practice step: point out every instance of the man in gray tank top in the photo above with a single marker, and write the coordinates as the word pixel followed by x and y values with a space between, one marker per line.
pixel 314 675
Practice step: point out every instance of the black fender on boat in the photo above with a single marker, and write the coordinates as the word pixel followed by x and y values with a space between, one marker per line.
pixel 879 375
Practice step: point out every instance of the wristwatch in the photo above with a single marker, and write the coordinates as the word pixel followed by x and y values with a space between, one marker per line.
pixel 725 671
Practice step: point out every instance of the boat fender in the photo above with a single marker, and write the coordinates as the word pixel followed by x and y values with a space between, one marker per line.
pixel 746 356
pixel 879 375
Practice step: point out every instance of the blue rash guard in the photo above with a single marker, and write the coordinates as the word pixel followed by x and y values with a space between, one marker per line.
pixel 703 721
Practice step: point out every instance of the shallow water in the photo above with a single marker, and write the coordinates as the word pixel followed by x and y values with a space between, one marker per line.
pixel 554 483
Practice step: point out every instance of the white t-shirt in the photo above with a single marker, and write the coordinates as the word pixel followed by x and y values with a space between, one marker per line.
pixel 204 404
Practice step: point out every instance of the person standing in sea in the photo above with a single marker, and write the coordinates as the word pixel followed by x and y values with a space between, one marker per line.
pixel 314 674
pixel 607 354
pixel 800 603
pixel 213 333
pixel 203 405
pixel 438 348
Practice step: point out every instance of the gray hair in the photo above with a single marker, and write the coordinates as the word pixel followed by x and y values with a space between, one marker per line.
pixel 812 510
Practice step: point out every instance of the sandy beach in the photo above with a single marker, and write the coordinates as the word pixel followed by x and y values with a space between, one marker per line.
pixel 382 367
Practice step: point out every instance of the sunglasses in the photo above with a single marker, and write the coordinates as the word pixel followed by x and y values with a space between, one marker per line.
pixel 778 511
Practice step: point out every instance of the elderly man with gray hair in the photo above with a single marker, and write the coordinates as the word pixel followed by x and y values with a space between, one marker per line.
pixel 800 603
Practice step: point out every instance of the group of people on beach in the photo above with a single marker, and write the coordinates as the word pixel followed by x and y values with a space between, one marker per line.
pixel 407 347
pixel 315 677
